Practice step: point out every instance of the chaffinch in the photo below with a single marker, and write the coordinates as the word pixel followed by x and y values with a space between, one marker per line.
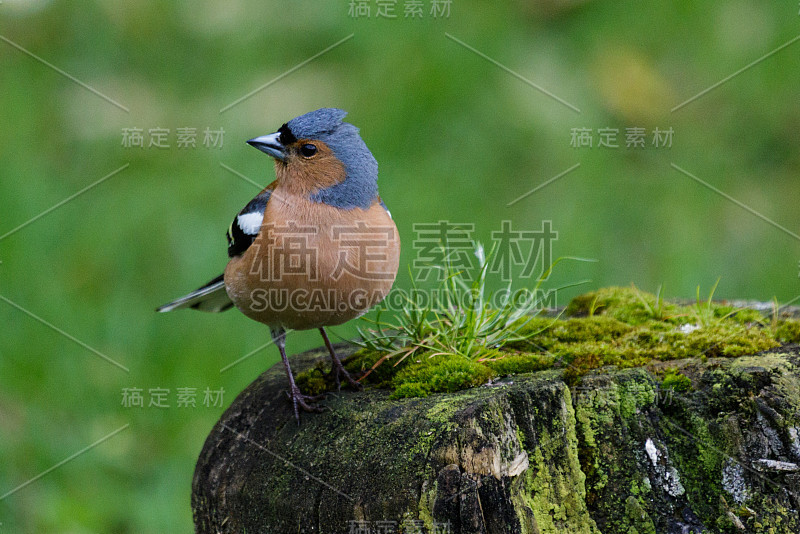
pixel 317 247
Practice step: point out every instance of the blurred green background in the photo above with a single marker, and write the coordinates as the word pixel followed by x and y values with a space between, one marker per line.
pixel 457 138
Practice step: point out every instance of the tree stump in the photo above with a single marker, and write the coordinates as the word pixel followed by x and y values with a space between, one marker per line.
pixel 527 454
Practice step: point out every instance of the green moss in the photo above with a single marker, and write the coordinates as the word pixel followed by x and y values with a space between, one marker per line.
pixel 728 339
pixel 776 519
pixel 637 517
pixel 592 329
pixel 626 304
pixel 411 389
pixel 676 381
pixel 363 361
pixel 511 364
pixel 616 326
pixel 745 316
pixel 605 413
pixel 788 331
pixel 439 374
pixel 313 381
pixel 532 326
pixel 554 486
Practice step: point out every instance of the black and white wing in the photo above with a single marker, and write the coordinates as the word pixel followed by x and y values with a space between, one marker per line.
pixel 247 223
pixel 212 297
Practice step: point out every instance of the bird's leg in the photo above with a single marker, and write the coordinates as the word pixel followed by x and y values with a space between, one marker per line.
pixel 337 369
pixel 297 397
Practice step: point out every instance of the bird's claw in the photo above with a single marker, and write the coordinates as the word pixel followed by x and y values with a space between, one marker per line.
pixel 338 371
pixel 304 402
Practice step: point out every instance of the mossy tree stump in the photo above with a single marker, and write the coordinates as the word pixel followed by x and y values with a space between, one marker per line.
pixel 527 454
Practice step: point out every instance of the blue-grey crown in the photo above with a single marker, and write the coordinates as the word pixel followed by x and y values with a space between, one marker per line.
pixel 360 187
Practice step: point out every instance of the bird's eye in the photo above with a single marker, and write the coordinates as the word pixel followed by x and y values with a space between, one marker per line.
pixel 308 150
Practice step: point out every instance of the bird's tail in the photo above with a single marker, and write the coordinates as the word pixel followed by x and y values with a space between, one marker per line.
pixel 212 297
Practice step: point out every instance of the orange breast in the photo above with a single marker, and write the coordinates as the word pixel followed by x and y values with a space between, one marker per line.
pixel 313 265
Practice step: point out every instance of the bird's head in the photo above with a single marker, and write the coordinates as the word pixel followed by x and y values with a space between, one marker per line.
pixel 323 158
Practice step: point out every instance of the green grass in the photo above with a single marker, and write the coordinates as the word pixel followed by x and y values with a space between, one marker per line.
pixel 460 321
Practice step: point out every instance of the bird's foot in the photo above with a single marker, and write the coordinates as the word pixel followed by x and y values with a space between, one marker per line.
pixel 338 371
pixel 300 401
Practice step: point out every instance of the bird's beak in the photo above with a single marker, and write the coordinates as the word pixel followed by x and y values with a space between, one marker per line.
pixel 270 144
